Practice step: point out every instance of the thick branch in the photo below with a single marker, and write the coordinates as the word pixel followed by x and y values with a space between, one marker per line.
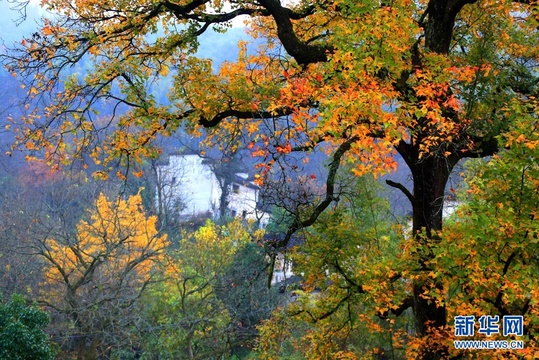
pixel 455 6
pixel 440 23
pixel 330 192
pixel 350 281
pixel 302 52
pixel 243 115
pixel 401 188
pixel 482 147
pixel 181 10
pixel 408 302
pixel 319 209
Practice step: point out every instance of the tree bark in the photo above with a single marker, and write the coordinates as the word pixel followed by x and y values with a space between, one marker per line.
pixel 430 178
pixel 430 174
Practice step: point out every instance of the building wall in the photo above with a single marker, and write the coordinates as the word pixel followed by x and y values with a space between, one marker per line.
pixel 242 202
pixel 194 182
pixel 189 179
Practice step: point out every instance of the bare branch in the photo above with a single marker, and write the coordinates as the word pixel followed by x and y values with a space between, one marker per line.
pixel 401 188
pixel 329 197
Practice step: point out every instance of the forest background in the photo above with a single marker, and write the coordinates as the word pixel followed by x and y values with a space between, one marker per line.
pixel 320 100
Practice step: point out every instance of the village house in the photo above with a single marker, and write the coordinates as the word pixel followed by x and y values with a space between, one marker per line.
pixel 187 183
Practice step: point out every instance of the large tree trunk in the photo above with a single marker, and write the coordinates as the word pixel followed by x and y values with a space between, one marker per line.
pixel 430 177
pixel 429 185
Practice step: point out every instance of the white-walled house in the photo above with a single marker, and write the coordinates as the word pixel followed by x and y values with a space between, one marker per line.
pixel 189 180
pixel 184 179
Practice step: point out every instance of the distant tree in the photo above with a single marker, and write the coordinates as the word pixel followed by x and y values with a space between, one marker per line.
pixel 95 278
pixel 169 194
pixel 197 311
pixel 22 331
pixel 242 287
pixel 223 153
pixel 37 201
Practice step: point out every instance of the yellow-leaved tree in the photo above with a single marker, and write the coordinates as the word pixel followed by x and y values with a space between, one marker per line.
pixel 94 279
pixel 213 295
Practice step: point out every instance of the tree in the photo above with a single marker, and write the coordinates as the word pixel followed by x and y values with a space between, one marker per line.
pixel 22 334
pixel 224 152
pixel 196 311
pixel 35 202
pixel 342 309
pixel 169 199
pixel 96 278
pixel 242 287
pixel 361 80
pixel 488 256
pixel 225 163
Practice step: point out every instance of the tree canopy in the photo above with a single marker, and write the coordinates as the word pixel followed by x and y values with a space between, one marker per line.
pixel 435 81
pixel 96 277
pixel 21 327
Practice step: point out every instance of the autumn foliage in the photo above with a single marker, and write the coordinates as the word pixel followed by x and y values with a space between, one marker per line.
pixel 96 277
pixel 434 82
pixel 487 258
pixel 208 293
